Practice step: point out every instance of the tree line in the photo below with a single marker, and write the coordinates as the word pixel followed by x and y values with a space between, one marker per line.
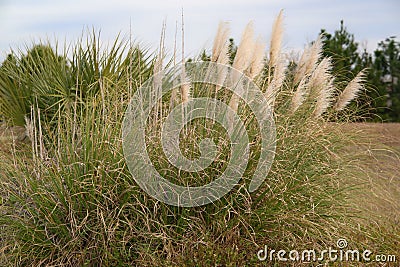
pixel 382 66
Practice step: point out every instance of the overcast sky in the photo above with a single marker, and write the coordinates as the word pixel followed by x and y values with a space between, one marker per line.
pixel 25 21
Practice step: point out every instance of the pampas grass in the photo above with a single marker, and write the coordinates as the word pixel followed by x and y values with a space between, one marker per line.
pixel 220 52
pixel 276 64
pixel 309 74
pixel 321 82
pixel 318 86
pixel 258 59
pixel 309 60
pixel 276 82
pixel 86 208
pixel 174 91
pixel 300 94
pixel 242 59
pixel 158 69
pixel 351 91
pixel 276 40
pixel 245 49
pixel 221 45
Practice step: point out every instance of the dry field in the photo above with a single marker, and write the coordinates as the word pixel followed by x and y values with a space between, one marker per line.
pixel 378 201
pixel 385 158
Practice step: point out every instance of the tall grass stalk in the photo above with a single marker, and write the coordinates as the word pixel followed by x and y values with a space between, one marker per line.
pixel 73 202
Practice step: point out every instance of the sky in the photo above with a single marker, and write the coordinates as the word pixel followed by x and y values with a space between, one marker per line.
pixel 24 22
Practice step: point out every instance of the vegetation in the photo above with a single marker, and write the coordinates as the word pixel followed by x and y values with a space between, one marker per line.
pixel 68 199
pixel 383 71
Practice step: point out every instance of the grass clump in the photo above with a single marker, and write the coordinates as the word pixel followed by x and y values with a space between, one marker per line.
pixel 68 198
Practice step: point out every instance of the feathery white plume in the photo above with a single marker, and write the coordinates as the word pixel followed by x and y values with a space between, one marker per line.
pixel 276 82
pixel 245 49
pixel 276 61
pixel 221 46
pixel 257 61
pixel 321 83
pixel 242 60
pixel 309 60
pixel 299 95
pixel 276 40
pixel 220 53
pixel 351 91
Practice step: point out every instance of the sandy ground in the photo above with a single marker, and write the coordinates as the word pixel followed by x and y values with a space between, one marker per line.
pixel 384 133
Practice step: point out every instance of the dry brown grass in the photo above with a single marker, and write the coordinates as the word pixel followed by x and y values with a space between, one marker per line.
pixel 381 151
pixel 376 198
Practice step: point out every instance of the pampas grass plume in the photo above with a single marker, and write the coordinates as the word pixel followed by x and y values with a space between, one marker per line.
pixel 276 40
pixel 351 91
pixel 309 60
pixel 220 46
pixel 257 61
pixel 321 82
pixel 242 59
